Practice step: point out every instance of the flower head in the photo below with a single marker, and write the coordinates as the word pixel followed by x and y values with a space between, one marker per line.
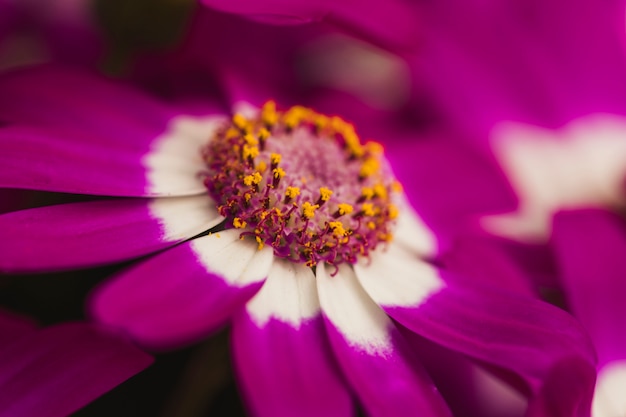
pixel 279 222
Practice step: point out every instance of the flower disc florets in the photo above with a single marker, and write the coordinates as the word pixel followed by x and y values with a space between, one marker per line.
pixel 302 183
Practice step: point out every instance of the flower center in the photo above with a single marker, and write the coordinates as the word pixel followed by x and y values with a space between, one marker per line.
pixel 302 183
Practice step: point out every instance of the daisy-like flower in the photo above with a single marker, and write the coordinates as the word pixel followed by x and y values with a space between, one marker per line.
pixel 54 371
pixel 281 221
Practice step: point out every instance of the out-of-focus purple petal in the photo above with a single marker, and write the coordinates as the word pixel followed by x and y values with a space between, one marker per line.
pixel 55 371
pixel 546 63
pixel 13 327
pixel 370 20
pixel 448 183
pixel 184 293
pixel 590 246
pixel 95 233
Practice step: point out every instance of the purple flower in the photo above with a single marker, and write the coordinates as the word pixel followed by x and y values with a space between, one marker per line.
pixel 290 244
pixel 546 96
pixel 54 371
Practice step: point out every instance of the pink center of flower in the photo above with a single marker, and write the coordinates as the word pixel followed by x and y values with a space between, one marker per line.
pixel 302 183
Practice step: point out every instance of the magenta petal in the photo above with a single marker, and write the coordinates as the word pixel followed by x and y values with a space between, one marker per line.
pixel 69 98
pixel 591 248
pixel 370 19
pixel 70 161
pixel 13 327
pixel 79 235
pixel 374 357
pixel 171 299
pixel 56 371
pixel 287 371
pixel 526 336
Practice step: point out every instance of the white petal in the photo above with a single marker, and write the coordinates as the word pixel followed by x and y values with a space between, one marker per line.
pixel 184 217
pixel 411 231
pixel 289 295
pixel 239 262
pixel 175 159
pixel 395 277
pixel 610 395
pixel 582 164
pixel 352 312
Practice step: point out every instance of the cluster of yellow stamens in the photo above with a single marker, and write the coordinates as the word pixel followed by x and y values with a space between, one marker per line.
pixel 302 183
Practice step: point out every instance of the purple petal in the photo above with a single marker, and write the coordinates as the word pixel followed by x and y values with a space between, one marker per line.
pixel 448 183
pixel 590 246
pixel 13 327
pixel 369 19
pixel 95 233
pixel 283 359
pixel 529 337
pixel 184 293
pixel 550 61
pixel 374 357
pixel 89 135
pixel 55 371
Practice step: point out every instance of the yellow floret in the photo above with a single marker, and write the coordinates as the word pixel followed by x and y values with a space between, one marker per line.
pixel 368 209
pixel 345 208
pixel 292 192
pixel 275 158
pixel 380 191
pixel 278 172
pixel 338 229
pixel 325 193
pixel 240 121
pixel 367 193
pixel 263 134
pixel 393 211
pixel 250 152
pixel 369 167
pixel 250 140
pixel 238 223
pixel 269 116
pixel 252 179
pixel 308 209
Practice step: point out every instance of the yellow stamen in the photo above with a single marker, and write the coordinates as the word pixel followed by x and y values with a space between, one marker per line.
pixel 240 121
pixel 369 167
pixel 263 134
pixel 367 209
pixel 308 209
pixel 367 193
pixel 231 132
pixel 238 223
pixel 261 166
pixel 393 211
pixel 250 152
pixel 380 191
pixel 252 179
pixel 292 192
pixel 338 229
pixel 345 208
pixel 275 158
pixel 250 140
pixel 268 113
pixel 278 172
pixel 325 193
pixel 259 241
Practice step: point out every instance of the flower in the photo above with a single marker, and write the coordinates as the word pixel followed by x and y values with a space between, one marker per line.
pixel 546 96
pixel 40 367
pixel 318 294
